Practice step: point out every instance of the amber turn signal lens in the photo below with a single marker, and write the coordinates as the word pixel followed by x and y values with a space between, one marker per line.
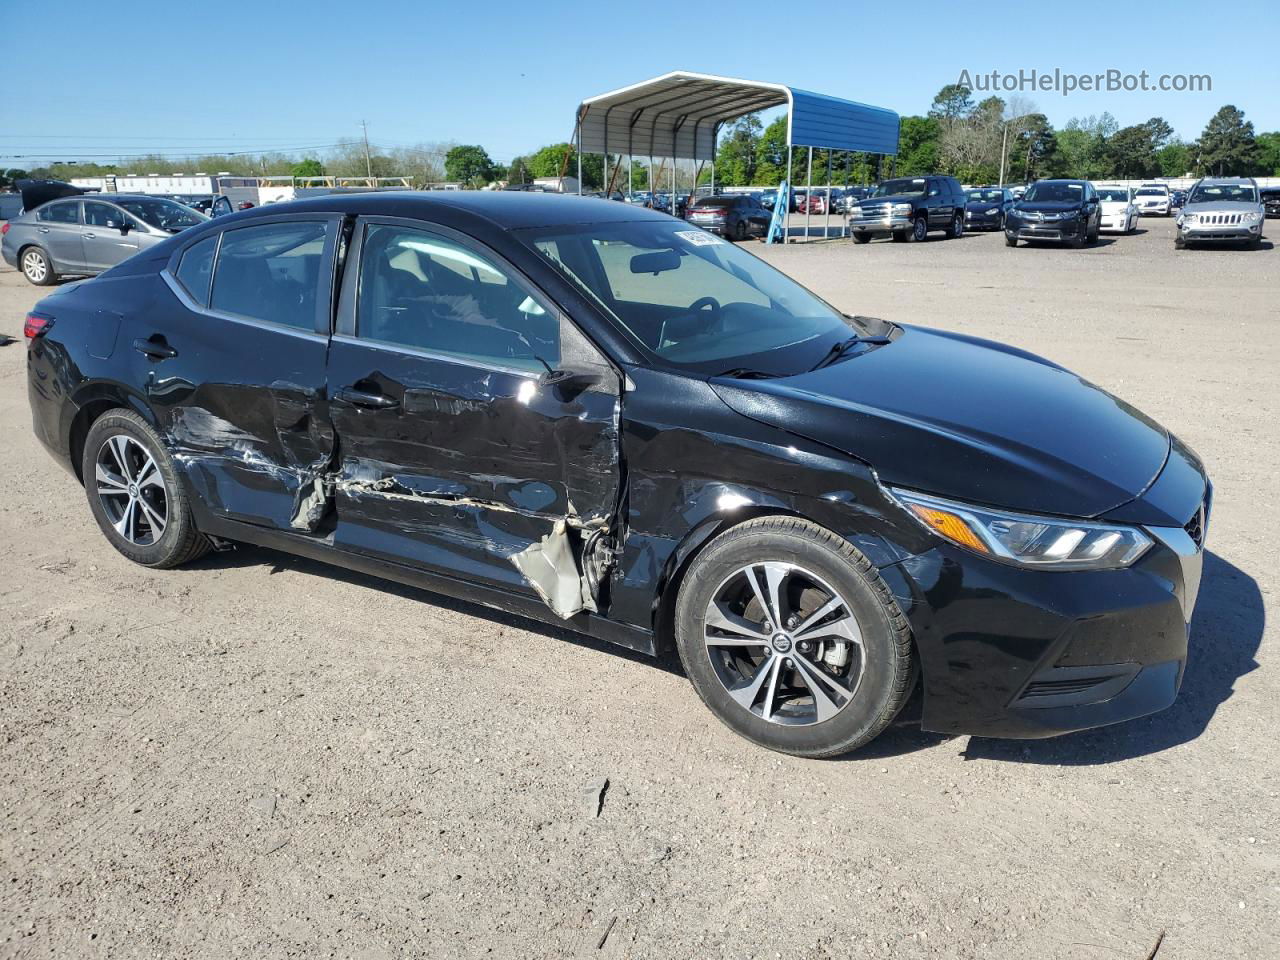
pixel 950 526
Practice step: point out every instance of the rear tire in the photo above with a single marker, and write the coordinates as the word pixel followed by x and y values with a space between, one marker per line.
pixel 956 230
pixel 858 655
pixel 900 236
pixel 37 267
pixel 740 231
pixel 136 495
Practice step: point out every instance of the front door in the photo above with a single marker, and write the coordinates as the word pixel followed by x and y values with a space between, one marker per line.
pixel 105 243
pixel 460 449
pixel 58 231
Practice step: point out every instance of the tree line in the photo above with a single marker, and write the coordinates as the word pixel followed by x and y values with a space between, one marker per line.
pixel 956 136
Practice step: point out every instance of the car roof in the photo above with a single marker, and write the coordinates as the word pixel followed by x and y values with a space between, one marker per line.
pixel 508 210
pixel 1225 180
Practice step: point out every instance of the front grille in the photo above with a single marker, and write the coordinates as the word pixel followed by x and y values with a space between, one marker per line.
pixel 875 211
pixel 1218 219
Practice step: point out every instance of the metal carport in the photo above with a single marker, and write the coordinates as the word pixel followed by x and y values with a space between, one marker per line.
pixel 679 115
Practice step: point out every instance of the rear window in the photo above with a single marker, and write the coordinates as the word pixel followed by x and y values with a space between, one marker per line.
pixel 195 269
pixel 68 212
pixel 717 202
pixel 271 273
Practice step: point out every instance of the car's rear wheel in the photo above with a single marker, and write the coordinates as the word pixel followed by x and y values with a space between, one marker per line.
pixel 956 230
pixel 791 638
pixel 135 494
pixel 740 231
pixel 37 267
pixel 900 236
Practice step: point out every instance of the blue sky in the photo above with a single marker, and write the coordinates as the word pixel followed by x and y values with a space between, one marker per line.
pixel 136 77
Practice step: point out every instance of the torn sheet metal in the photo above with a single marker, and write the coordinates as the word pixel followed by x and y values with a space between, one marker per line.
pixel 552 568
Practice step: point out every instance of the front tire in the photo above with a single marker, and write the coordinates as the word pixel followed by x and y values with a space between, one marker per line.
pixel 863 238
pixel 791 638
pixel 956 230
pixel 1010 241
pixel 37 267
pixel 135 493
pixel 919 230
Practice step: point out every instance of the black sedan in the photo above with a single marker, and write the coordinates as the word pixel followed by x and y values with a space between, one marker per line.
pixel 734 217
pixel 598 416
pixel 1270 197
pixel 1059 211
pixel 986 207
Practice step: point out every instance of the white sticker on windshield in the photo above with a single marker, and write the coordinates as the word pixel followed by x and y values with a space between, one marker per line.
pixel 699 238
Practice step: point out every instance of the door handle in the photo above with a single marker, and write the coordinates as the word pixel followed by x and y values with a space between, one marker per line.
pixel 89 236
pixel 43 229
pixel 366 398
pixel 155 349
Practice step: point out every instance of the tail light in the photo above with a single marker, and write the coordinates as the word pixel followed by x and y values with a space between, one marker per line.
pixel 37 325
pixel 4 228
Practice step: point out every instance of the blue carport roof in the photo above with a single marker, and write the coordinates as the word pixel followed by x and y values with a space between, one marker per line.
pixel 677 114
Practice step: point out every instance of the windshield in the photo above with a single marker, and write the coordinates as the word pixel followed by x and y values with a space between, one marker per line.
pixel 1224 193
pixel 691 298
pixel 988 195
pixel 1113 195
pixel 903 187
pixel 1153 192
pixel 1048 191
pixel 161 214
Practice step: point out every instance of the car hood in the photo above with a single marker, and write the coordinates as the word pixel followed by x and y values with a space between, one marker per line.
pixel 896 198
pixel 36 193
pixel 971 419
pixel 1114 204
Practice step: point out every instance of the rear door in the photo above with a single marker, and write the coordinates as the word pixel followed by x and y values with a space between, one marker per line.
pixel 107 237
pixel 459 452
pixel 232 360
pixel 58 231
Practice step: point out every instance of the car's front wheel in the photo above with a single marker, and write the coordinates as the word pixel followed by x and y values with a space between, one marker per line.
pixel 862 238
pixel 135 494
pixel 792 639
pixel 956 230
pixel 37 267
pixel 920 229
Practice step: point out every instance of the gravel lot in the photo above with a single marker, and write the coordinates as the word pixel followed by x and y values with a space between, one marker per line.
pixel 262 756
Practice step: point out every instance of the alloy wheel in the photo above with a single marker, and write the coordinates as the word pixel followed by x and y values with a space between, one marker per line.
pixel 784 644
pixel 921 228
pixel 34 266
pixel 132 490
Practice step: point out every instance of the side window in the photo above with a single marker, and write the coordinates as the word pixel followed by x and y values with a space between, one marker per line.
pixel 271 273
pixel 66 212
pixel 418 289
pixel 933 190
pixel 195 269
pixel 100 214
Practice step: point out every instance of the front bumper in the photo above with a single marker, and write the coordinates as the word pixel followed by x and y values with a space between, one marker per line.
pixel 1228 233
pixel 981 221
pixel 1058 231
pixel 880 224
pixel 1011 652
pixel 1114 224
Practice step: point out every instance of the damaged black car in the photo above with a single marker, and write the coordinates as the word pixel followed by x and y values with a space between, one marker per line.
pixel 598 416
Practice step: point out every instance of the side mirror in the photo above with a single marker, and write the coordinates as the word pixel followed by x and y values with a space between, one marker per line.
pixel 124 226
pixel 568 382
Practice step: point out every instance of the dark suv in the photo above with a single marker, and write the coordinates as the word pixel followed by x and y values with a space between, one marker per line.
pixel 907 208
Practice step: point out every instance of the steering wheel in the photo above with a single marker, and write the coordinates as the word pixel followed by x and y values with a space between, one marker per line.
pixel 694 308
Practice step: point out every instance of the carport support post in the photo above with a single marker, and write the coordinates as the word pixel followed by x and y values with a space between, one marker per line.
pixel 826 216
pixel 631 186
pixel 808 196
pixel 791 192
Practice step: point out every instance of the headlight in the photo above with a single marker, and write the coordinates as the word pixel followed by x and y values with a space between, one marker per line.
pixel 1047 543
pixel 1189 218
pixel 900 208
pixel 1253 217
pixel 855 211
pixel 992 211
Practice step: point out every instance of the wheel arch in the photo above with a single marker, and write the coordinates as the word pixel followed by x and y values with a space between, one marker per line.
pixel 91 402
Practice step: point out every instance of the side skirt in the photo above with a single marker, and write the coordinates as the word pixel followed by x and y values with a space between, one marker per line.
pixel 592 625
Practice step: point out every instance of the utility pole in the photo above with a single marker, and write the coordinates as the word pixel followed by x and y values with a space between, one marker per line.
pixel 368 162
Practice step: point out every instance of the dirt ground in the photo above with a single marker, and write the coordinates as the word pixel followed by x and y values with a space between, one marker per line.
pixel 261 756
